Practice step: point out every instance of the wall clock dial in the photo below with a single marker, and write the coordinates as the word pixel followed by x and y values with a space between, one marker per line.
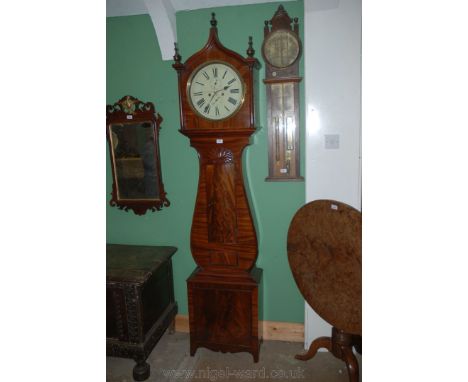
pixel 281 48
pixel 215 91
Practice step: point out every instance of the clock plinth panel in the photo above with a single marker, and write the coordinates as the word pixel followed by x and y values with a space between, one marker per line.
pixel 223 311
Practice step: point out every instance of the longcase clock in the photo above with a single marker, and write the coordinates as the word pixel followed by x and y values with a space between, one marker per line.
pixel 217 114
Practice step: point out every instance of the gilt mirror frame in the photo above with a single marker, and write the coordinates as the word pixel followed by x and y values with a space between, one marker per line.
pixel 129 118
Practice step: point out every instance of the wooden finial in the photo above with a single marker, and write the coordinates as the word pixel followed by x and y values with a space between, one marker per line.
pixel 213 21
pixel 176 56
pixel 250 50
pixel 266 29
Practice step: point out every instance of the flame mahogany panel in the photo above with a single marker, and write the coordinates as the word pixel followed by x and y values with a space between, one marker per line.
pixel 222 226
pixel 223 312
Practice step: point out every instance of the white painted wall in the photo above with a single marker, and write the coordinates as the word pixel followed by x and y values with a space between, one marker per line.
pixel 163 16
pixel 332 53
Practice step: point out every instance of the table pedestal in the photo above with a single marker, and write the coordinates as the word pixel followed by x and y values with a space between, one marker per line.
pixel 340 344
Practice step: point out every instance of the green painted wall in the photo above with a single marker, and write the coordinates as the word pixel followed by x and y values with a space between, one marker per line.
pixel 134 67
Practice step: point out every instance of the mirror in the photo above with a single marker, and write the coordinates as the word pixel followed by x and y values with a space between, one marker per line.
pixel 134 151
pixel 133 137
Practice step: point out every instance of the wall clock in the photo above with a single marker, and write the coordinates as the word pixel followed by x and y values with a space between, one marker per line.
pixel 281 50
pixel 217 113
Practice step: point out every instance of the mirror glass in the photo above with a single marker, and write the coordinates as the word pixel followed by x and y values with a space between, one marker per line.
pixel 135 157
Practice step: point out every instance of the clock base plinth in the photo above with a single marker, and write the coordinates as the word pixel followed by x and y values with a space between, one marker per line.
pixel 223 311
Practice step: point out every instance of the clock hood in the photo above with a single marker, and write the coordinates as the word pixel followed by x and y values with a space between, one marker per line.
pixel 247 69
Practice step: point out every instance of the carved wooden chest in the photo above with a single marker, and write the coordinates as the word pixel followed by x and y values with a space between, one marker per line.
pixel 140 301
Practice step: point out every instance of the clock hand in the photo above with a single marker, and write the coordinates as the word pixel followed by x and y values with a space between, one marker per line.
pixel 211 99
pixel 215 92
pixel 216 100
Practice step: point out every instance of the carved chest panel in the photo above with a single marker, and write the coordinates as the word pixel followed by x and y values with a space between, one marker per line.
pixel 139 298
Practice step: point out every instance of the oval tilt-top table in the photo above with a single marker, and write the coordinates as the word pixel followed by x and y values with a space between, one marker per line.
pixel 324 252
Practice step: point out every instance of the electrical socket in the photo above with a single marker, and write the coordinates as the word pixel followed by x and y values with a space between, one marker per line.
pixel 332 141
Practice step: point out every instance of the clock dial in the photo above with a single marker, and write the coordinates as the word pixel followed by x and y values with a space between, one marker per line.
pixel 281 48
pixel 215 91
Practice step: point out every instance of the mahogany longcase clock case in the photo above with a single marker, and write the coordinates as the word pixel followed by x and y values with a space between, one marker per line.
pixel 217 114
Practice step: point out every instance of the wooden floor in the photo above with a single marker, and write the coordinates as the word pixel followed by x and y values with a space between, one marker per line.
pixel 170 361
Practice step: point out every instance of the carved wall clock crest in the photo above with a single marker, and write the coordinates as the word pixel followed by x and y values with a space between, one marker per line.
pixel 217 114
pixel 281 50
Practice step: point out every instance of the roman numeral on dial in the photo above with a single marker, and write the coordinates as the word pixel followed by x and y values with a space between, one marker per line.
pixel 200 102
pixel 232 100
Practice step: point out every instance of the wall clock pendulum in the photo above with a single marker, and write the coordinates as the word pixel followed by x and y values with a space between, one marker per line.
pixel 281 50
pixel 217 114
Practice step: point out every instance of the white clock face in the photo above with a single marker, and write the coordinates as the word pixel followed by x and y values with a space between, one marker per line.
pixel 281 48
pixel 215 91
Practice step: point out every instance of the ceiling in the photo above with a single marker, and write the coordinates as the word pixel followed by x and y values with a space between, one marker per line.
pixel 138 7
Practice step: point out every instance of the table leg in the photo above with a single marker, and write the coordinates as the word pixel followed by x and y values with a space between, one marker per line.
pixel 351 364
pixel 321 342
